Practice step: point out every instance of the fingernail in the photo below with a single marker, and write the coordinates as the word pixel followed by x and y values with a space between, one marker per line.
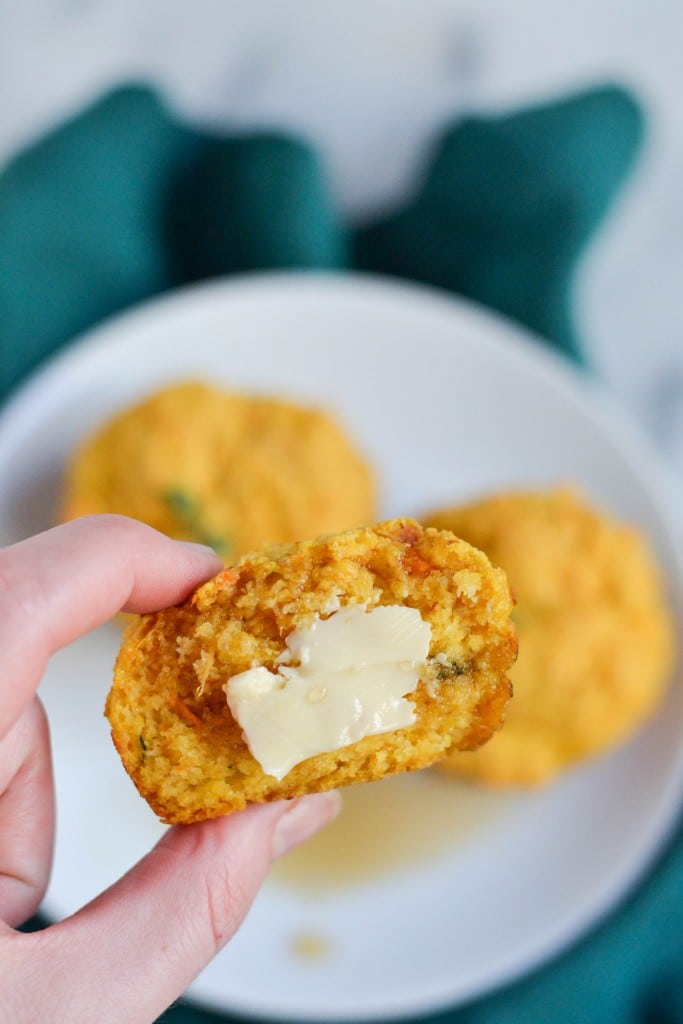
pixel 305 816
pixel 201 549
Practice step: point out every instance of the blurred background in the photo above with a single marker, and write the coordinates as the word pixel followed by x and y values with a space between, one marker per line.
pixel 371 84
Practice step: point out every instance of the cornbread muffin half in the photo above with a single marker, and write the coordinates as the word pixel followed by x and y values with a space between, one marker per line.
pixel 595 635
pixel 230 470
pixel 395 628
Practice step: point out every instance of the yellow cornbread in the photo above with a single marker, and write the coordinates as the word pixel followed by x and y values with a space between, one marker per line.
pixel 595 636
pixel 170 720
pixel 230 470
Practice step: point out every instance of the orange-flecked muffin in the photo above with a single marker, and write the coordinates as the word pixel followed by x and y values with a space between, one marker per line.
pixel 595 635
pixel 230 470
pixel 312 666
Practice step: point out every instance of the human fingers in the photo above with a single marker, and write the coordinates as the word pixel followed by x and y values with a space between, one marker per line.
pixel 26 815
pixel 125 957
pixel 62 583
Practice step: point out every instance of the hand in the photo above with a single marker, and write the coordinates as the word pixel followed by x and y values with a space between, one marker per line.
pixel 127 955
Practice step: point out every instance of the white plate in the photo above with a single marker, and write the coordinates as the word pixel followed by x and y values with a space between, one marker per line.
pixel 449 402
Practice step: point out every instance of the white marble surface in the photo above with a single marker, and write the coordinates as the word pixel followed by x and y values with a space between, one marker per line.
pixel 371 81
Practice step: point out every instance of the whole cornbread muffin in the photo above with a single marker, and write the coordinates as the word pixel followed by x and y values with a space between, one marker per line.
pixel 312 666
pixel 595 635
pixel 230 470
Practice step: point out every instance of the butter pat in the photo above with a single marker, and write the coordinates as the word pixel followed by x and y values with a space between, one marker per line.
pixel 352 675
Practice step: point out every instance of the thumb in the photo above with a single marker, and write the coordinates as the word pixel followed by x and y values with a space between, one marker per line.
pixel 127 955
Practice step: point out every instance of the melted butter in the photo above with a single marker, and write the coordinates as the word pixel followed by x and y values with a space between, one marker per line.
pixel 353 673
pixel 310 946
pixel 387 826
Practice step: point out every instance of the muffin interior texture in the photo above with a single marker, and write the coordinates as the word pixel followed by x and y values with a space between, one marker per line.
pixel 168 709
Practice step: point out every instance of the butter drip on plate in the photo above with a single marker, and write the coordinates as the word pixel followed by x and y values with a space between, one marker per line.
pixel 339 680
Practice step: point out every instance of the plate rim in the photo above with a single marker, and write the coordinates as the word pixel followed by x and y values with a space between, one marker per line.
pixel 537 353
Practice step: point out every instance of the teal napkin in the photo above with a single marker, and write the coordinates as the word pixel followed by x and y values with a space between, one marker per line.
pixel 124 202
